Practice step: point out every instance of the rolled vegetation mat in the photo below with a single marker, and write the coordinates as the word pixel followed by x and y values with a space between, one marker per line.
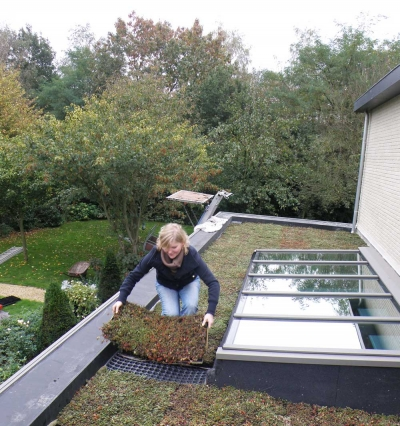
pixel 149 335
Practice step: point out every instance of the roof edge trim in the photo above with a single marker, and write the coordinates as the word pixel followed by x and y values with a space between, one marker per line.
pixel 385 89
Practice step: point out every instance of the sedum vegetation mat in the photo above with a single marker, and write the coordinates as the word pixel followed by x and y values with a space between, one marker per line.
pixel 170 340
pixel 115 398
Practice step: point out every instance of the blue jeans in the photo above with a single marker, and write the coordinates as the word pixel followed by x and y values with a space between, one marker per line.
pixel 179 302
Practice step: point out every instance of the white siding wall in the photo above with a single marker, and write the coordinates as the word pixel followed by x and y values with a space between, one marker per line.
pixel 379 209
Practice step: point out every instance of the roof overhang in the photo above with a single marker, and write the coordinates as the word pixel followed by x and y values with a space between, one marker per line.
pixel 385 89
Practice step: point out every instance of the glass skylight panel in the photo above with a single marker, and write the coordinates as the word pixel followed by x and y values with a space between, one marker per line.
pixel 308 255
pixel 312 284
pixel 319 306
pixel 297 334
pixel 381 336
pixel 313 301
pixel 312 269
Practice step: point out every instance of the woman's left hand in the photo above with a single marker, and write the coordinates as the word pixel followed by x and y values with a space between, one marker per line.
pixel 208 319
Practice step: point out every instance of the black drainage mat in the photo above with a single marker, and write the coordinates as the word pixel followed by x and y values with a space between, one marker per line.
pixel 154 370
pixel 9 300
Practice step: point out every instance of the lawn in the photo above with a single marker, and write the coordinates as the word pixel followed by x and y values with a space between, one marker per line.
pixel 22 306
pixel 126 399
pixel 53 251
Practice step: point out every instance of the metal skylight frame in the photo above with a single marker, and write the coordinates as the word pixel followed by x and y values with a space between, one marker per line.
pixel 286 354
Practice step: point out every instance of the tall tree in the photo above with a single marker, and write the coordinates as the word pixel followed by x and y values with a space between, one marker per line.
pixel 125 147
pixel 255 149
pixel 291 143
pixel 22 184
pixel 326 78
pixel 33 57
pixel 17 113
pixel 87 67
pixel 8 38
pixel 183 56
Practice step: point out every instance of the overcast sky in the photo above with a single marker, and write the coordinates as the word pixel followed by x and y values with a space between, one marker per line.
pixel 267 27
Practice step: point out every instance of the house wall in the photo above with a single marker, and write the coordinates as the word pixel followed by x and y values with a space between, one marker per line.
pixel 379 209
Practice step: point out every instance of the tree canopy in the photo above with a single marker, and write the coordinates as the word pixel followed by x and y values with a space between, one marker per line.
pixel 124 148
pixel 30 54
pixel 149 109
pixel 17 113
pixel 22 184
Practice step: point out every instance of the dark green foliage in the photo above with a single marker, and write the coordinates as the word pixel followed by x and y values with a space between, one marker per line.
pixel 291 143
pixel 47 216
pixel 84 71
pixel 110 278
pixel 32 55
pixel 159 338
pixel 83 211
pixel 128 261
pixel 19 341
pixel 58 317
pixel 5 230
pixel 213 95
pixel 43 216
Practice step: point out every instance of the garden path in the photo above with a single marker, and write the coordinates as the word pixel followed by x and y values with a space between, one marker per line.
pixel 23 292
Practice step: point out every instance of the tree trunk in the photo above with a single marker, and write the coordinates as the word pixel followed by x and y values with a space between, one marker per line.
pixel 23 238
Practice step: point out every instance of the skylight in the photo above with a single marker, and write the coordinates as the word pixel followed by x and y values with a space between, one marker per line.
pixel 309 302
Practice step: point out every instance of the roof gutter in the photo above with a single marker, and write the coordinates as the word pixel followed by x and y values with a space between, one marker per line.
pixel 360 173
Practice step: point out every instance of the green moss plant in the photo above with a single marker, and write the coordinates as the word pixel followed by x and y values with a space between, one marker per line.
pixel 149 335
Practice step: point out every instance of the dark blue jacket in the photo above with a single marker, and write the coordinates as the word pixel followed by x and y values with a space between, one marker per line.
pixel 192 266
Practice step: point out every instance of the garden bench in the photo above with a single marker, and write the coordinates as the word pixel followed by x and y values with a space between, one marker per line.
pixel 79 269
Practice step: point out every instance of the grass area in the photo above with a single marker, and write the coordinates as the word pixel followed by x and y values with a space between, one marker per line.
pixel 53 251
pixel 22 306
pixel 125 399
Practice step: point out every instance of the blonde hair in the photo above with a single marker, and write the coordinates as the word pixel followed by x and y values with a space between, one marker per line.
pixel 172 233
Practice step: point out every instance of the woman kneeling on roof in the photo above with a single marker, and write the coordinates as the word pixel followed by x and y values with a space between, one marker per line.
pixel 179 269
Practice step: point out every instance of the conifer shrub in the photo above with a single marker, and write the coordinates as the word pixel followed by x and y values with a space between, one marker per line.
pixel 110 278
pixel 169 340
pixel 58 316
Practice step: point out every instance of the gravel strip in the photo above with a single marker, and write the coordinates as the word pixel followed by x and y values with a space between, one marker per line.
pixel 23 292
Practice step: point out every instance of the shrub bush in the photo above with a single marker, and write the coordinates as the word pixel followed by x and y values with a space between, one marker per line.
pixel 82 298
pixel 19 342
pixel 159 338
pixel 58 316
pixel 44 216
pixel 47 217
pixel 110 278
pixel 128 261
pixel 162 210
pixel 96 265
pixel 5 230
pixel 83 211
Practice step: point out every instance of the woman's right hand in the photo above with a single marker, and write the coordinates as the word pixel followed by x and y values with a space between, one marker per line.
pixel 116 307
